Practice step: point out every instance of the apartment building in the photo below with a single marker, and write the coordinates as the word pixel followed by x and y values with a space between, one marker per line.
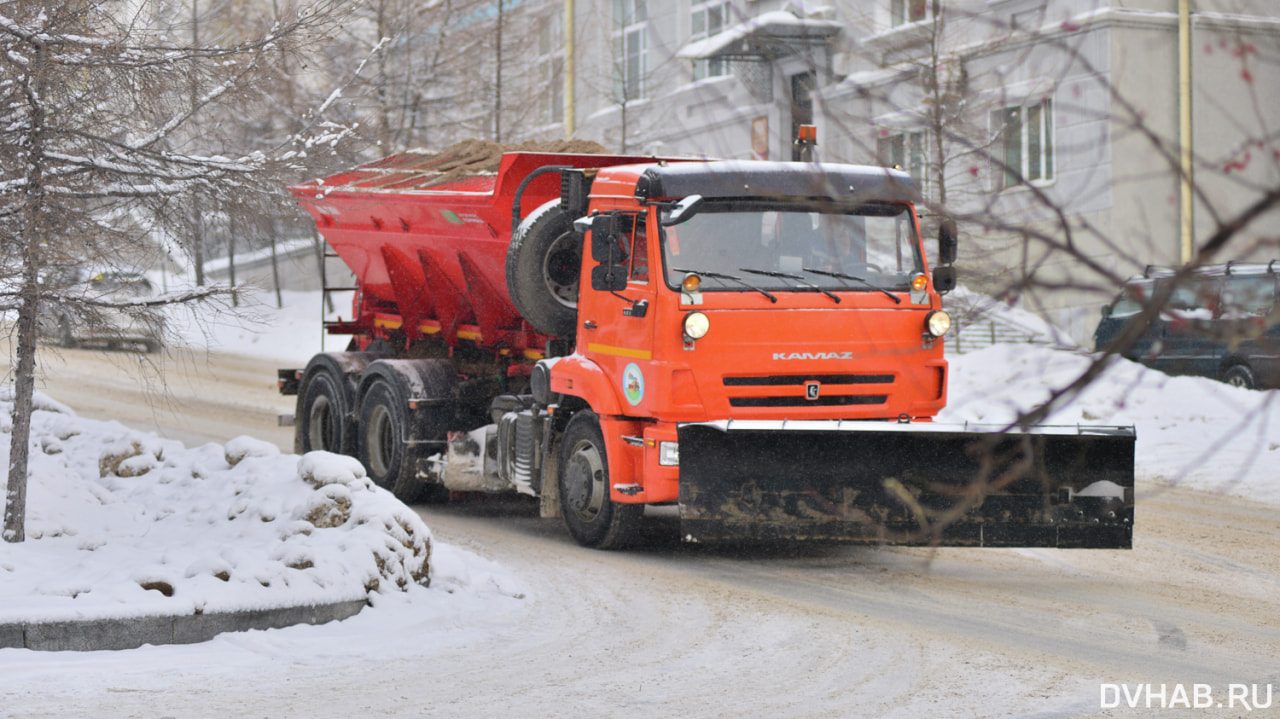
pixel 1054 129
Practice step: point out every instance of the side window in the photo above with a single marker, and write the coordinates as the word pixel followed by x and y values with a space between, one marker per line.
pixel 1194 300
pixel 636 237
pixel 1248 297
pixel 640 251
pixel 1130 302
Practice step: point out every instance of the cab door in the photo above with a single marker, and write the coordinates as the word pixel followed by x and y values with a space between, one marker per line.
pixel 616 315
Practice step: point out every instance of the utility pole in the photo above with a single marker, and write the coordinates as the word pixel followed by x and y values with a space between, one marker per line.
pixel 497 82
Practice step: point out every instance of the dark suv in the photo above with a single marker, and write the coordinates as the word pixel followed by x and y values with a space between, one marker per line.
pixel 1220 322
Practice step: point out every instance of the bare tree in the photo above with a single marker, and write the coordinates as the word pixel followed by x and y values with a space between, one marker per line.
pixel 1054 160
pixel 98 155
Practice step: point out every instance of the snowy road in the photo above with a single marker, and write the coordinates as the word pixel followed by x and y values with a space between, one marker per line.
pixel 677 629
pixel 894 632
pixel 182 394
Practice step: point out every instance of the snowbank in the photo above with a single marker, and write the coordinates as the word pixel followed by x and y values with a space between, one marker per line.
pixel 1191 431
pixel 121 523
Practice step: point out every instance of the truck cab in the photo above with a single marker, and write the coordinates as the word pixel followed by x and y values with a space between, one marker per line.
pixel 747 291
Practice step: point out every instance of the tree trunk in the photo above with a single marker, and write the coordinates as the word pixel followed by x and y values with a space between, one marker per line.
pixel 15 506
pixel 231 258
pixel 275 272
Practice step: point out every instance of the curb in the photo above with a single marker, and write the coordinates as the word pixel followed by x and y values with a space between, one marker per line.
pixel 94 635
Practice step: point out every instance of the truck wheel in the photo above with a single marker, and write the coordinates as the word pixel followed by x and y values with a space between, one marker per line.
pixel 323 409
pixel 544 264
pixel 1240 375
pixel 593 518
pixel 389 460
pixel 383 419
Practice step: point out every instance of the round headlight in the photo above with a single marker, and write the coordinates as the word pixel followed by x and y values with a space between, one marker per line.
pixel 696 325
pixel 690 283
pixel 937 323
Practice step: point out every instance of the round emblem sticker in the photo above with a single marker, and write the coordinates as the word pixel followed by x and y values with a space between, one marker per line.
pixel 633 384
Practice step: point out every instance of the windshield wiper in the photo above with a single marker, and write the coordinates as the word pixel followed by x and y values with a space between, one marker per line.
pixel 795 278
pixel 843 276
pixel 722 276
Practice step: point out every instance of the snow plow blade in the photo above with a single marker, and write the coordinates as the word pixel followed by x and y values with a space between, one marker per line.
pixel 915 484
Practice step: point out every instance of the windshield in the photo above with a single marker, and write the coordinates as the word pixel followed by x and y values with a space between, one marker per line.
pixel 794 246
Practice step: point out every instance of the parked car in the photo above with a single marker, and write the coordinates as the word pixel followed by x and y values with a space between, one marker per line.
pixel 105 326
pixel 1221 322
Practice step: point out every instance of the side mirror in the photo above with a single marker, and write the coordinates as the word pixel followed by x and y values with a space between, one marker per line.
pixel 604 238
pixel 944 279
pixel 683 211
pixel 605 245
pixel 948 242
pixel 608 278
pixel 609 254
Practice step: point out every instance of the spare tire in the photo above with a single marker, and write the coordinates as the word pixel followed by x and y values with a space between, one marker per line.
pixel 544 265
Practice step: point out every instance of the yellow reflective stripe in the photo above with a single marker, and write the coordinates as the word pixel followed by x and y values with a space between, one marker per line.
pixel 620 351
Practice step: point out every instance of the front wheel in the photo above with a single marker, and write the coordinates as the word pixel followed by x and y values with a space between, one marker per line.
pixel 1240 376
pixel 592 517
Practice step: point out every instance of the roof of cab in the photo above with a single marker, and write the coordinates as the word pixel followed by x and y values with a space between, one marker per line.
pixel 759 178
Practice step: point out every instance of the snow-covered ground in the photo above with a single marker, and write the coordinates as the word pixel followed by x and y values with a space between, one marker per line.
pixel 221 526
pixel 124 524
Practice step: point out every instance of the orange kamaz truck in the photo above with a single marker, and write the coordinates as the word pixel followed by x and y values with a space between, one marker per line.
pixel 758 344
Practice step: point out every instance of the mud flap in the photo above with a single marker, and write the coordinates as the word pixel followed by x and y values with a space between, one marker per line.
pixel 921 484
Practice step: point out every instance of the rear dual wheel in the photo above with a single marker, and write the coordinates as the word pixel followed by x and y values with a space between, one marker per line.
pixel 382 448
pixel 392 438
pixel 322 418
pixel 592 517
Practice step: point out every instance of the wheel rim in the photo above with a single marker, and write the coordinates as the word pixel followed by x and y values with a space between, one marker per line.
pixel 1237 379
pixel 320 427
pixel 380 440
pixel 585 477
pixel 562 269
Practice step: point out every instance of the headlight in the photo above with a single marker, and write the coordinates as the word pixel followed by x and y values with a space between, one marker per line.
pixel 937 323
pixel 696 325
pixel 669 454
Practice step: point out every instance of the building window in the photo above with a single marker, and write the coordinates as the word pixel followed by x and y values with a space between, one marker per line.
pixel 551 67
pixel 631 36
pixel 905 12
pixel 903 151
pixel 1023 151
pixel 709 18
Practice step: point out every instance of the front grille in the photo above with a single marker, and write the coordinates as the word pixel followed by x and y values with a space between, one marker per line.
pixel 828 401
pixel 786 380
pixel 792 389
